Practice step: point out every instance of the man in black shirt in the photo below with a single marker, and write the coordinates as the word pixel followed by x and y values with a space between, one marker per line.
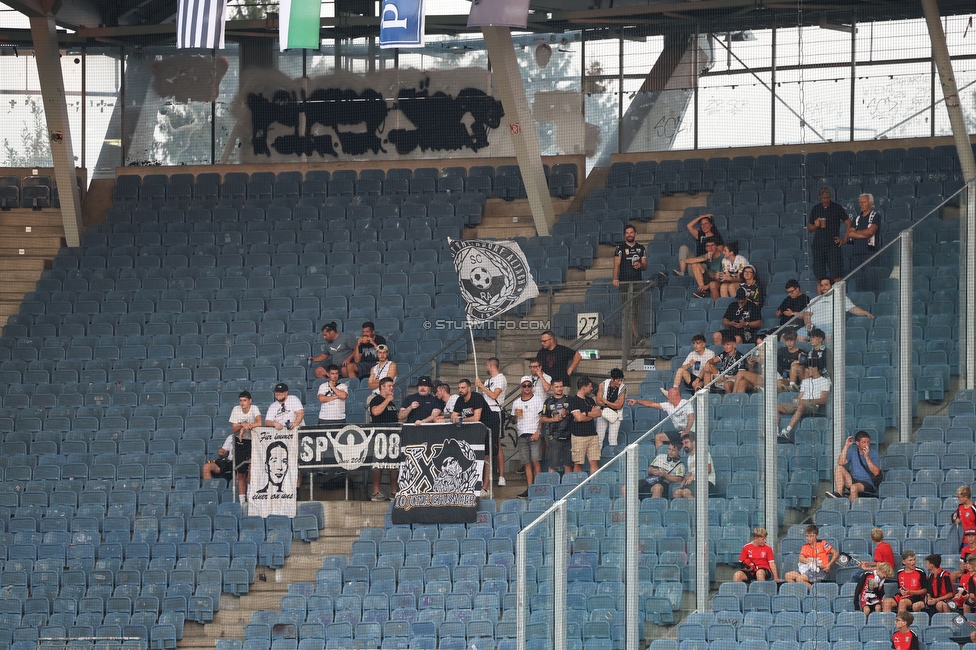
pixel 586 444
pixel 629 262
pixel 724 362
pixel 557 419
pixel 742 320
pixel 364 356
pixel 818 351
pixel 421 407
pixel 558 361
pixel 382 410
pixel 790 361
pixel 472 407
pixel 825 220
pixel 794 303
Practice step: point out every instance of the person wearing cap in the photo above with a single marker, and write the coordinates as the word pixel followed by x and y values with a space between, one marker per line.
pixel 910 595
pixel 813 396
pixel 364 353
pixel 382 410
pixel 742 319
pixel 384 368
pixel 286 411
pixel 865 468
pixel 610 395
pixel 527 411
pixel 337 350
pixel 243 419
pixel 793 304
pixel 421 407
pixel 332 395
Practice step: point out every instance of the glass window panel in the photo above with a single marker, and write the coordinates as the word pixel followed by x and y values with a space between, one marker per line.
pixel 102 117
pixel 813 105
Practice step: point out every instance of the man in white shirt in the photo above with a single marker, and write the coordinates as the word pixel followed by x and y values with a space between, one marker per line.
pixel 223 465
pixel 610 396
pixel 332 395
pixel 286 412
pixel 526 411
pixel 442 392
pixel 820 312
pixel 690 372
pixel 814 393
pixel 541 382
pixel 681 411
pixel 243 419
pixel 493 390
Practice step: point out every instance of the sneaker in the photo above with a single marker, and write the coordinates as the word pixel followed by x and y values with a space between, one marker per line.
pixel 524 494
pixel 785 433
pixel 794 388
pixel 699 294
pixel 832 495
pixel 485 494
pixel 501 481
pixel 677 272
pixel 377 496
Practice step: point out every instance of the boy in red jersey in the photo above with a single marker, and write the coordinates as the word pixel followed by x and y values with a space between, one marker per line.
pixel 965 597
pixel 965 514
pixel 911 587
pixel 939 586
pixel 968 548
pixel 882 551
pixel 904 638
pixel 757 559
pixel 869 591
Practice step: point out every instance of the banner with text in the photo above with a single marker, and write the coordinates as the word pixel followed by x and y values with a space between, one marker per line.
pixel 350 447
pixel 440 475
pixel 274 473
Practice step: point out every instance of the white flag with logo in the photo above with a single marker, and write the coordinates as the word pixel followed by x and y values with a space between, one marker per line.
pixel 494 277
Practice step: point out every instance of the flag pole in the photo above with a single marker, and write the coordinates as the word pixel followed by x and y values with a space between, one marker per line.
pixel 474 353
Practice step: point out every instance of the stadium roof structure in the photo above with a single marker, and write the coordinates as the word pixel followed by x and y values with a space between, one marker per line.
pixel 144 22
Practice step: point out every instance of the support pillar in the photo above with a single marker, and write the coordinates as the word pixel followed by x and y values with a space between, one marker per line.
pixel 508 79
pixel 906 391
pixel 838 294
pixel 48 56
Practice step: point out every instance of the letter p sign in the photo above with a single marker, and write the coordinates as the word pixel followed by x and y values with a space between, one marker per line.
pixel 402 23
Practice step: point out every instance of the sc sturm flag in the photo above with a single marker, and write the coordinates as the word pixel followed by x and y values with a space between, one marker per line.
pixel 298 24
pixel 494 277
pixel 200 24
pixel 402 23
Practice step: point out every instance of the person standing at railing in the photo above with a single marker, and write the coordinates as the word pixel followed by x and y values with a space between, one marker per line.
pixel 526 411
pixel 494 390
pixel 629 263
pixel 610 397
pixel 862 231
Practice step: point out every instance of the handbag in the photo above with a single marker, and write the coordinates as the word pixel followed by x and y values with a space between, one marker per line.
pixel 877 480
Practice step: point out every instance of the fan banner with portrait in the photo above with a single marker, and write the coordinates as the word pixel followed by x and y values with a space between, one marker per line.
pixel 274 473
pixel 494 277
pixel 440 474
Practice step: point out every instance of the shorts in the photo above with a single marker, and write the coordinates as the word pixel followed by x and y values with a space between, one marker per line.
pixel 694 486
pixel 808 409
pixel 363 367
pixel 585 447
pixel 869 488
pixel 242 452
pixel 559 455
pixel 912 599
pixel 527 450
pixel 812 573
pixel 226 467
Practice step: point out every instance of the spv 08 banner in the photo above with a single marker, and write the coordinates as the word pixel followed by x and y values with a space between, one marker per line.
pixel 402 23
pixel 274 473
pixel 440 474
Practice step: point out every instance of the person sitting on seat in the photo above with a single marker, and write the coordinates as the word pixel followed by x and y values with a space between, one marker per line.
pixel 756 559
pixel 665 469
pixel 223 465
pixel 869 592
pixel 904 637
pixel 813 396
pixel 865 468
pixel 817 557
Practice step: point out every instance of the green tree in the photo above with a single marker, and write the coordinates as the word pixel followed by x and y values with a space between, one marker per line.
pixel 35 148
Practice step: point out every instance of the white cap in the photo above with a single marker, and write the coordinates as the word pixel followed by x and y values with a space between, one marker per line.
pixel 525 378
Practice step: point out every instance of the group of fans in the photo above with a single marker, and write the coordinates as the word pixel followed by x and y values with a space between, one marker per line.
pixel 934 590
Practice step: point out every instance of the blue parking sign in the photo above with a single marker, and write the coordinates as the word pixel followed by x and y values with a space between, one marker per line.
pixel 402 23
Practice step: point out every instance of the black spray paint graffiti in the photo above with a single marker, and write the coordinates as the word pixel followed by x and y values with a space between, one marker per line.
pixel 438 119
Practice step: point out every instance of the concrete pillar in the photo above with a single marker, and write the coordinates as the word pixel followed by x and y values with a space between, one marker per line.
pixel 48 57
pixel 521 125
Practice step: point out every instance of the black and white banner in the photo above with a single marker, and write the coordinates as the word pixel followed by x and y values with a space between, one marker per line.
pixel 274 473
pixel 494 277
pixel 440 475
pixel 200 23
pixel 350 447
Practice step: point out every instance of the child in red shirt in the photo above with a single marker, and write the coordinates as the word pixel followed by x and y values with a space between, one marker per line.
pixel 757 559
pixel 904 638
pixel 965 514
pixel 965 597
pixel 911 587
pixel 882 551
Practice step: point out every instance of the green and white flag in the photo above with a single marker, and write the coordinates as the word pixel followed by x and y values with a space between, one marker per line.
pixel 298 24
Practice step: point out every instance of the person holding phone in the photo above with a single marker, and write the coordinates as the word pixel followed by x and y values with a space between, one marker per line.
pixel 864 469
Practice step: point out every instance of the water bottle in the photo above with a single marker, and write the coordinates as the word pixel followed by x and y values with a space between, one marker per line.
pixel 287 424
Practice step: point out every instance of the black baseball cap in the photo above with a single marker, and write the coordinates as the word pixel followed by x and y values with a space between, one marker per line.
pixel 424 381
pixel 281 387
pixel 244 393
